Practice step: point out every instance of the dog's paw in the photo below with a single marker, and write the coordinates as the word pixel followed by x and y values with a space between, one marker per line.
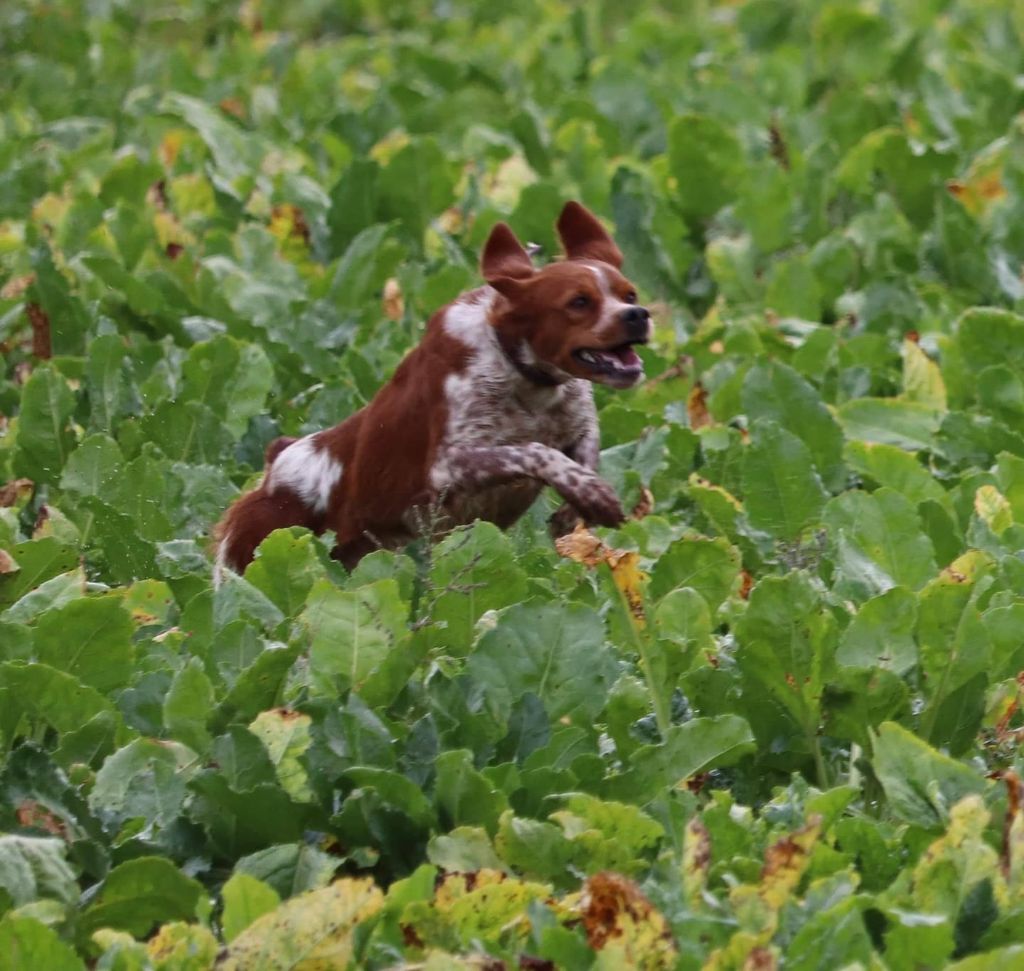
pixel 563 520
pixel 598 504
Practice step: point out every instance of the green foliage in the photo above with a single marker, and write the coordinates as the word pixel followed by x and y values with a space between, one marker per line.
pixel 786 703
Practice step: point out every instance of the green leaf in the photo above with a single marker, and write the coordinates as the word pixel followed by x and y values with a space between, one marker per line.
pixel 232 378
pixel 793 289
pixel 688 749
pixel 706 162
pixel 125 554
pixel 39 560
pixel 33 869
pixel 107 382
pixel 188 431
pixel 144 780
pixel 464 849
pixel 93 467
pixel 891 466
pixel 45 694
pixel 235 153
pixel 987 336
pixel 920 782
pixel 352 633
pixel 782 492
pixel 888 421
pixel 28 945
pixel 786 645
pixel 465 797
pixel 137 895
pixel 777 392
pixel 245 899
pixel 91 639
pixel 290 869
pixel 955 653
pixel 44 436
pixel 472 571
pixel 187 704
pixel 416 185
pixel 608 835
pixel 881 633
pixel 711 567
pixel 884 527
pixel 859 699
pixel 556 652
pixel 285 569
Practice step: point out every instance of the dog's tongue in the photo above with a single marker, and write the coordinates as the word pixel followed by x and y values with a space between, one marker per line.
pixel 626 356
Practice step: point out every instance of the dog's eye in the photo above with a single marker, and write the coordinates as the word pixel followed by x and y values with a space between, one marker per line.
pixel 580 302
pixel 631 296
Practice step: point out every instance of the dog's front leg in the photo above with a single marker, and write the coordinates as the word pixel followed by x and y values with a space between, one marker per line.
pixel 477 467
pixel 586 452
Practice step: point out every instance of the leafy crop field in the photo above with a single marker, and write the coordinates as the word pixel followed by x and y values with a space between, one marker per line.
pixel 773 722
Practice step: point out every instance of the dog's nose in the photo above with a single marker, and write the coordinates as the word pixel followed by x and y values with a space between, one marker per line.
pixel 636 321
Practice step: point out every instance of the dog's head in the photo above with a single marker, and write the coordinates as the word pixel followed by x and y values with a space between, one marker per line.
pixel 578 318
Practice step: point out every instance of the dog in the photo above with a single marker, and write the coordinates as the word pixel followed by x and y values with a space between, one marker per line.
pixel 493 404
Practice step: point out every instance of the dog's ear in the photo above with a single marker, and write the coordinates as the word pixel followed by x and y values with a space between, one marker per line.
pixel 505 264
pixel 584 238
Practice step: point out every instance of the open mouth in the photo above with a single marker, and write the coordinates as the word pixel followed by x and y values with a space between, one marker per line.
pixel 614 365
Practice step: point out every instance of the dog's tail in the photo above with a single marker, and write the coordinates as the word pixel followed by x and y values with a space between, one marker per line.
pixel 251 517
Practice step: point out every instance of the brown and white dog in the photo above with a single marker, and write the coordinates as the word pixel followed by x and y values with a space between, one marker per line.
pixel 492 405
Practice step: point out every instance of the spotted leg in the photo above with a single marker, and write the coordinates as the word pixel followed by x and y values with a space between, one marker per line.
pixel 476 467
pixel 586 451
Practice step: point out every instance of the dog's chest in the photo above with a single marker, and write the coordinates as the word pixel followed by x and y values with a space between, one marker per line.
pixel 499 413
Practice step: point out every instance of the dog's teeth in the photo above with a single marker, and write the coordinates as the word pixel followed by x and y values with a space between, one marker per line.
pixel 587 356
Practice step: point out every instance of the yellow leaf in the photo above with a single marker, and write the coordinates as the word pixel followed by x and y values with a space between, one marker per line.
pixel 170 146
pixel 505 185
pixel 485 905
pixel 621 922
pixel 285 735
pixel 630 580
pixel 922 379
pixel 388 147
pixel 785 862
pixel 697 407
pixel 394 304
pixel 183 947
pixel 993 508
pixel 696 860
pixel 982 186
pixel 582 546
pixel 310 932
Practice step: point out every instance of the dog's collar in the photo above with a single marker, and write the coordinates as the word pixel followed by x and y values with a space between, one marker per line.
pixel 510 348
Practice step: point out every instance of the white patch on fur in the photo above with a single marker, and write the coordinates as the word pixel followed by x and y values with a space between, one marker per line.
pixel 611 306
pixel 220 564
pixel 307 470
pixel 491 403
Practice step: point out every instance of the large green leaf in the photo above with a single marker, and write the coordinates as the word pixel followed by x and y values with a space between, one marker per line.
pixel 920 783
pixel 45 438
pixel 706 161
pixel 773 390
pixel 785 653
pixel 138 894
pixel 782 492
pixel 90 638
pixel 556 652
pixel 353 633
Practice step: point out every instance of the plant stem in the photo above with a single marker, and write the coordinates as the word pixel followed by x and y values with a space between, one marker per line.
pixel 642 643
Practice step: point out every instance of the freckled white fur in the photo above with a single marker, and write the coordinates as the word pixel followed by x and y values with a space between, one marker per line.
pixel 308 470
pixel 491 403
